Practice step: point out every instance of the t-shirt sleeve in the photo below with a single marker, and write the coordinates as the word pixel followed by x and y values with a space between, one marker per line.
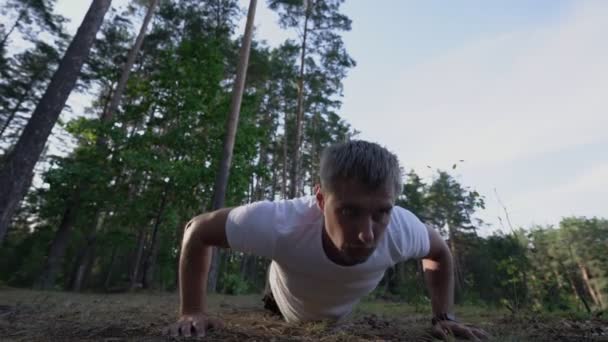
pixel 253 228
pixel 410 236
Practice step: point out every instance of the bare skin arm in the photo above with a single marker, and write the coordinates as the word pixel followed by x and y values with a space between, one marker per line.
pixel 439 274
pixel 438 269
pixel 201 234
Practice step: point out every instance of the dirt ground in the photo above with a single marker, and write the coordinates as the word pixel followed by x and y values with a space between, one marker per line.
pixel 59 316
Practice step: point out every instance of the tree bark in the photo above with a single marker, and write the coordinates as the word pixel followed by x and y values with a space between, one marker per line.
pixel 575 289
pixel 150 261
pixel 284 173
pixel 456 258
pixel 86 255
pixel 141 240
pixel 108 278
pixel 588 285
pixel 273 186
pixel 58 247
pixel 126 69
pixel 315 158
pixel 21 161
pixel 295 166
pixel 84 265
pixel 260 185
pixel 221 182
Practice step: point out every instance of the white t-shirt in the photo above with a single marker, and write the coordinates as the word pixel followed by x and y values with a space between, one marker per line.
pixel 304 282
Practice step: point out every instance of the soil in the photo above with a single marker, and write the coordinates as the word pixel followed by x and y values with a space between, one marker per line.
pixel 27 315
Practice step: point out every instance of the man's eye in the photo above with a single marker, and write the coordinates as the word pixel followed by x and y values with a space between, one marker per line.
pixel 381 214
pixel 347 211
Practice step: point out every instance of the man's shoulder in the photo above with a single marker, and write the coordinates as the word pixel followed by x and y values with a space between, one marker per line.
pixel 299 211
pixel 404 223
pixel 285 213
pixel 401 216
pixel 407 235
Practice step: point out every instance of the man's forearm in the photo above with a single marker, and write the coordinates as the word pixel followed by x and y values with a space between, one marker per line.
pixel 194 263
pixel 439 276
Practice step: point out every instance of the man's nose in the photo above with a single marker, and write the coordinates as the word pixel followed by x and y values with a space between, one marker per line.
pixel 366 234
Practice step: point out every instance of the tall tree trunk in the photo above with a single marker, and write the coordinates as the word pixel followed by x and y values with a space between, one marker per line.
pixel 581 293
pixel 180 235
pixel 274 185
pixel 150 261
pixel 108 278
pixel 84 265
pixel 141 241
pixel 258 192
pixel 244 268
pixel 86 255
pixel 221 182
pixel 252 269
pixel 315 151
pixel 558 278
pixel 58 247
pixel 456 261
pixel 126 68
pixel 588 285
pixel 295 166
pixel 284 173
pixel 575 289
pixel 21 161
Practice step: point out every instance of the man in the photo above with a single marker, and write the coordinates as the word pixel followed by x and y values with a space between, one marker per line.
pixel 328 250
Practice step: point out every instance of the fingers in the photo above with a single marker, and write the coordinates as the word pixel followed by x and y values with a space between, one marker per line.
pixel 185 329
pixel 459 330
pixel 480 333
pixel 193 326
pixel 440 332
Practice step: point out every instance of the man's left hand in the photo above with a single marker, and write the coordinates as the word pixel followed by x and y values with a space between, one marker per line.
pixel 446 329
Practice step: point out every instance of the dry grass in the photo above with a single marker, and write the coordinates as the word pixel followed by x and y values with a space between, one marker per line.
pixel 27 315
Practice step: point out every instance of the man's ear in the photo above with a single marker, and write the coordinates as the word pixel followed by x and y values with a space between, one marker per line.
pixel 319 196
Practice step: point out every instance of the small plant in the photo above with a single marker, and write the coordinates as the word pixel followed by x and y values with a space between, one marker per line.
pixel 235 285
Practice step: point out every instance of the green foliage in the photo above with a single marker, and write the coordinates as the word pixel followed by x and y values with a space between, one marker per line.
pixel 158 162
pixel 554 269
pixel 161 150
pixel 24 80
pixel 233 284
pixel 26 69
pixel 34 17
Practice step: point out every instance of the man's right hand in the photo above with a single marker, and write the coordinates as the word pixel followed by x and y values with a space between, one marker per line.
pixel 193 325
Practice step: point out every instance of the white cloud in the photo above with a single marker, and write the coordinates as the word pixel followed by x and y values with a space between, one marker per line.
pixel 589 188
pixel 503 98
pixel 499 103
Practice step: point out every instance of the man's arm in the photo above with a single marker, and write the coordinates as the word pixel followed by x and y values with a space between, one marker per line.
pixel 438 269
pixel 201 234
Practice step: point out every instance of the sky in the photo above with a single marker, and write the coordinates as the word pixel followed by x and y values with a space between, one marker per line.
pixel 517 89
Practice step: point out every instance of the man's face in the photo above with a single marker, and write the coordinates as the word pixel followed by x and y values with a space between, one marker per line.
pixel 355 218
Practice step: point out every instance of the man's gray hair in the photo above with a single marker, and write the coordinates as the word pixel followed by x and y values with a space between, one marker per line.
pixel 363 161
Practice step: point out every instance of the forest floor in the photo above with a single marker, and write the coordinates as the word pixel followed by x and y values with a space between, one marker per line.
pixel 27 315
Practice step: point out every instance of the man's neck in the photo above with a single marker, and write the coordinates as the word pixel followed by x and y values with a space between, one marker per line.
pixel 332 252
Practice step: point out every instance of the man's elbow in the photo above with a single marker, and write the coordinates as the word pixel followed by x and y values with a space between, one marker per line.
pixel 207 229
pixel 439 252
